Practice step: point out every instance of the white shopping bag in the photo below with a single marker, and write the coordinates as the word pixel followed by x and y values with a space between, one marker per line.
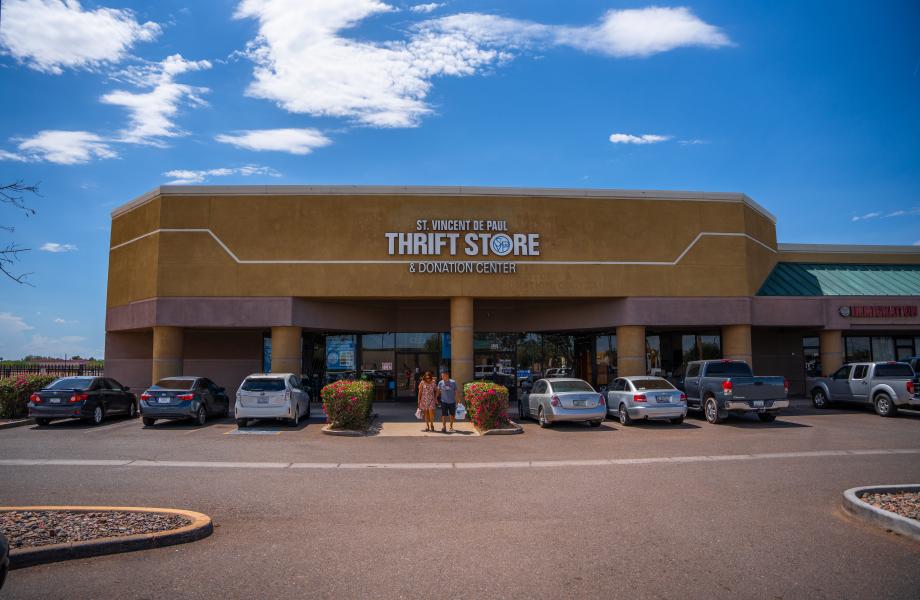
pixel 461 412
pixel 418 414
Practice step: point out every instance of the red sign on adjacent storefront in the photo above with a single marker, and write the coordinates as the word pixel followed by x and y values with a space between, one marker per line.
pixel 878 312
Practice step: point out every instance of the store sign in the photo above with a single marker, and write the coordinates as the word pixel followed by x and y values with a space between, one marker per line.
pixel 340 352
pixel 462 246
pixel 878 312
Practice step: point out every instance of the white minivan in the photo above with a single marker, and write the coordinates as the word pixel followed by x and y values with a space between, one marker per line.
pixel 271 396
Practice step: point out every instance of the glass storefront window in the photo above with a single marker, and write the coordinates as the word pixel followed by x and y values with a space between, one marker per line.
pixel 883 348
pixel 605 348
pixel 653 355
pixel 424 342
pixel 811 353
pixel 378 341
pixel 858 349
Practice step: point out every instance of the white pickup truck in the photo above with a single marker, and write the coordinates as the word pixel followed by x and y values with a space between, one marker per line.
pixel 886 385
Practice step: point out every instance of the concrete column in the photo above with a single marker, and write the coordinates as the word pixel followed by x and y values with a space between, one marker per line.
pixel 287 352
pixel 167 352
pixel 736 343
pixel 631 350
pixel 461 339
pixel 831 350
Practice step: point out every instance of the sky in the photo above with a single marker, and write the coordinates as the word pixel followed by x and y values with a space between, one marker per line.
pixel 812 108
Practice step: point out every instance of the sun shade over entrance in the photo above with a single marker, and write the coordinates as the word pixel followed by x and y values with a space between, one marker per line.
pixel 821 279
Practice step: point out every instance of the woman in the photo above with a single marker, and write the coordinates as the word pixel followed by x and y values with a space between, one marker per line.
pixel 428 399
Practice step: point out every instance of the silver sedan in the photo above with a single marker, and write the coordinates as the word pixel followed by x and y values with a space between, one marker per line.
pixel 643 397
pixel 565 399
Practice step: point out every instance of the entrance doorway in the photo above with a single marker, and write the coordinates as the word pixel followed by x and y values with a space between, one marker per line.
pixel 410 366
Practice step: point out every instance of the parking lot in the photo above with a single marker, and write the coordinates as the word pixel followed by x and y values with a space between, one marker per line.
pixel 743 509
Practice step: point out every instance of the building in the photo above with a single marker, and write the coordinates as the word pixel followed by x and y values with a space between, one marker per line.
pixel 333 281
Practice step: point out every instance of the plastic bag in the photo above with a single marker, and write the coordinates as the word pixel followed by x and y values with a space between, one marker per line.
pixel 418 414
pixel 461 411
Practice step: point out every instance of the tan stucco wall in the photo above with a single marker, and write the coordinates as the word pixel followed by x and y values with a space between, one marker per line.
pixel 341 227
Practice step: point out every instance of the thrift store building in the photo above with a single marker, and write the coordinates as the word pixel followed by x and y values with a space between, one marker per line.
pixel 340 281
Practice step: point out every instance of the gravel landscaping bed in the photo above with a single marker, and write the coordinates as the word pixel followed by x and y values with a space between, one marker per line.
pixel 906 504
pixel 29 529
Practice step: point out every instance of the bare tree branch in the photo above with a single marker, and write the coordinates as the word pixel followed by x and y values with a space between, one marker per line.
pixel 13 194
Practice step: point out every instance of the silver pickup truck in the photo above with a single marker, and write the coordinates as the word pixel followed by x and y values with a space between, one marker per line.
pixel 886 385
pixel 723 387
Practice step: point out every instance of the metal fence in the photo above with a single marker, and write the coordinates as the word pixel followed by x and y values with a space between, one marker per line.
pixel 62 370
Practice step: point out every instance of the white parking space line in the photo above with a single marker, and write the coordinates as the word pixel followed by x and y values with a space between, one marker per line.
pixel 110 427
pixel 22 462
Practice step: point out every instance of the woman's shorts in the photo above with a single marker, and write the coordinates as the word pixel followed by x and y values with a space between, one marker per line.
pixel 448 409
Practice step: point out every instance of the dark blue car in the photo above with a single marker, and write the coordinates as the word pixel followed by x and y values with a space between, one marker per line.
pixel 89 398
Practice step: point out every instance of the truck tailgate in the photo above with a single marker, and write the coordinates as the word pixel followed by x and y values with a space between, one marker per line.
pixel 758 388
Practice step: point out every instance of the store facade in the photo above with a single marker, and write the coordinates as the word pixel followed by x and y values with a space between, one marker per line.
pixel 389 282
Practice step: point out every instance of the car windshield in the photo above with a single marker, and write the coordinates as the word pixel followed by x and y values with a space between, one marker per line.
pixel 174 384
pixel 651 384
pixel 264 384
pixel 894 370
pixel 71 383
pixel 728 369
pixel 571 386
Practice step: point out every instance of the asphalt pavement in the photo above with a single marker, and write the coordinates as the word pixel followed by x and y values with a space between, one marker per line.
pixel 740 510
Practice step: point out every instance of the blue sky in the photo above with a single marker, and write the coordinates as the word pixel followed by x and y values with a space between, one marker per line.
pixel 811 108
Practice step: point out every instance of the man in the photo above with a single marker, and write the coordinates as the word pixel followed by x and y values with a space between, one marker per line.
pixel 447 396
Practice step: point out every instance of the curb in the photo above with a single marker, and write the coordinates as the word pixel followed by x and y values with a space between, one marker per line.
pixel 200 527
pixel 17 423
pixel 515 428
pixel 327 429
pixel 882 518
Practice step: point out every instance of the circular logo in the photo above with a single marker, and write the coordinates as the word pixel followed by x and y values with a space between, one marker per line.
pixel 500 244
pixel 844 311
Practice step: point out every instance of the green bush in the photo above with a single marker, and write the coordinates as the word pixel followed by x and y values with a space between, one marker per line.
pixel 487 404
pixel 347 404
pixel 15 392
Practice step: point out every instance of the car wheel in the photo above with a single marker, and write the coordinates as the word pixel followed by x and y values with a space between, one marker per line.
pixel 884 406
pixel 42 421
pixel 201 416
pixel 541 419
pixel 766 417
pixel 625 419
pixel 132 411
pixel 595 423
pixel 818 399
pixel 98 415
pixel 242 423
pixel 148 421
pixel 711 411
pixel 677 421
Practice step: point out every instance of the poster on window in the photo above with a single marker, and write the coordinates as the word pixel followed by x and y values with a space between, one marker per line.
pixel 340 352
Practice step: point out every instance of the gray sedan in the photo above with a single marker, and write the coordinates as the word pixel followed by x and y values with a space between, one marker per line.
pixel 564 399
pixel 642 397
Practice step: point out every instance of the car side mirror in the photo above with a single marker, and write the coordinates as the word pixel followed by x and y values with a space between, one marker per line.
pixel 602 389
pixel 125 388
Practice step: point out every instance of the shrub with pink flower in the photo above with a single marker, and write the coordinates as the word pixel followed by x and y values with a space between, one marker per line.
pixel 487 404
pixel 15 392
pixel 347 404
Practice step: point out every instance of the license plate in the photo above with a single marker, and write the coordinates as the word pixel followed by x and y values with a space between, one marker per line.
pixel 55 401
pixel 757 403
pixel 579 403
pixel 262 400
pixel 664 398
pixel 163 400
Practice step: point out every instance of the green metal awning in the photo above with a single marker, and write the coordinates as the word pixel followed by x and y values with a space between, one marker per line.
pixel 824 279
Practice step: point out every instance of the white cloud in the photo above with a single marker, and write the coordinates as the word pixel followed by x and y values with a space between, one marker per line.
pixel 12 324
pixel 305 64
pixel 648 138
pixel 152 112
pixel 184 177
pixel 917 243
pixel 43 345
pixel 295 141
pixel 53 35
pixel 904 212
pixel 426 8
pixel 56 247
pixel 61 321
pixel 61 147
